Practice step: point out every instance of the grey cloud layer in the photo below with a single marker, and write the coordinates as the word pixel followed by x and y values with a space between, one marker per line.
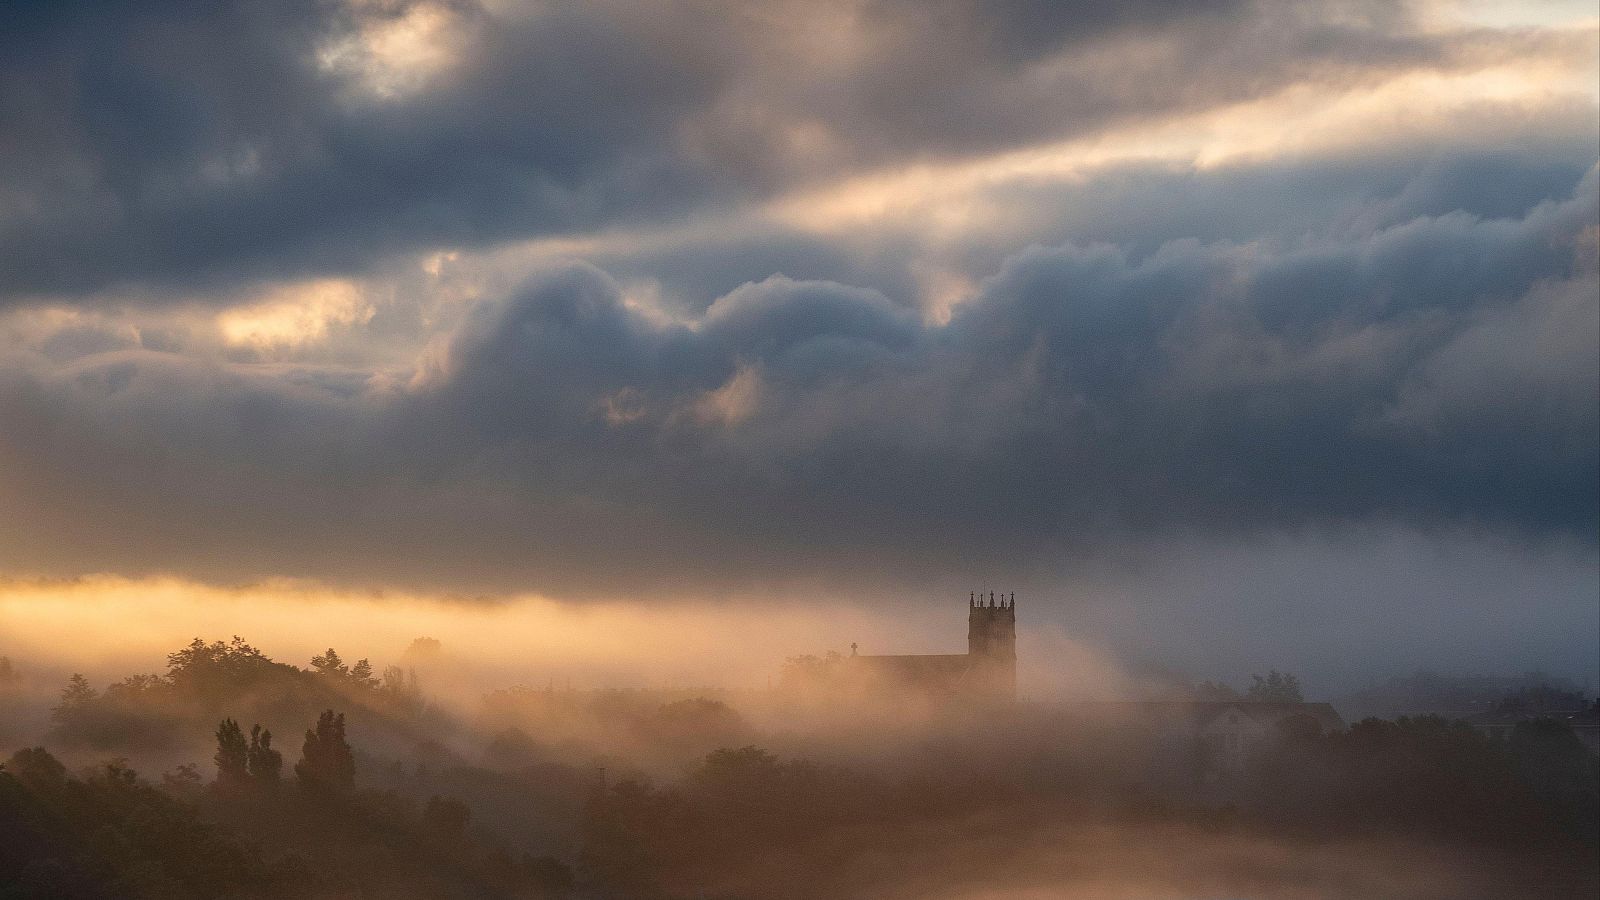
pixel 1403 333
pixel 1138 207
pixel 1435 373
pixel 193 145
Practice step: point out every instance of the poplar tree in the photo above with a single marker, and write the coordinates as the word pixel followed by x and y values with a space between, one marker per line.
pixel 233 756
pixel 326 764
pixel 265 763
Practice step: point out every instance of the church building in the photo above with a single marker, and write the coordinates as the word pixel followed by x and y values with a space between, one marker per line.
pixel 986 672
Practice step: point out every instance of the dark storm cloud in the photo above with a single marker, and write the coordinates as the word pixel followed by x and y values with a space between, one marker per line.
pixel 1137 207
pixel 1438 372
pixel 196 145
pixel 172 141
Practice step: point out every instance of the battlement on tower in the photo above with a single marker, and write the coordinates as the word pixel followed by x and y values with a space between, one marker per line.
pixel 992 643
pixel 975 600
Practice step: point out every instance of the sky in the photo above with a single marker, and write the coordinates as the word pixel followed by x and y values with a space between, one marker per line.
pixel 1228 335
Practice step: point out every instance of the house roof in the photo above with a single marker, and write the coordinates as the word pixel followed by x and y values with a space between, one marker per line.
pixel 1589 718
pixel 1506 718
pixel 943 670
pixel 917 664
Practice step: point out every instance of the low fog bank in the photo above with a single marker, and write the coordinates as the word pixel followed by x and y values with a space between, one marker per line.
pixel 107 627
pixel 409 746
pixel 1345 609
pixel 588 679
pixel 535 663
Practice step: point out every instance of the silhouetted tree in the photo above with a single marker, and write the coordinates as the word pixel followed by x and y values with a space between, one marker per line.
pixel 397 680
pixel 184 779
pixel 330 664
pixel 423 647
pixel 107 834
pixel 74 696
pixel 361 674
pixel 810 672
pixel 511 748
pixel 217 668
pixel 399 689
pixel 326 764
pixel 35 766
pixel 266 764
pixel 746 765
pixel 1277 687
pixel 232 757
pixel 130 689
pixel 334 667
pixel 7 672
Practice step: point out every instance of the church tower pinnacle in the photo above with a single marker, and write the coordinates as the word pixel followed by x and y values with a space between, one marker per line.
pixel 992 643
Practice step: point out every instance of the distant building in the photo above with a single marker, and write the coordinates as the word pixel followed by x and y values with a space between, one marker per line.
pixel 986 672
pixel 1462 697
pixel 1585 723
pixel 1208 741
pixel 1229 733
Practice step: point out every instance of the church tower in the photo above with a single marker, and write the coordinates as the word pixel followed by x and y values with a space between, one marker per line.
pixel 992 645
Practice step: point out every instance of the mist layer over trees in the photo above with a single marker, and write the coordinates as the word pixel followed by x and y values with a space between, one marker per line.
pixel 232 774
